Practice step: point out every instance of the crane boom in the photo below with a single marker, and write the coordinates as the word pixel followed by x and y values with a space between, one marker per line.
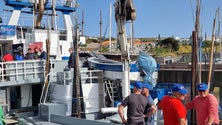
pixel 124 11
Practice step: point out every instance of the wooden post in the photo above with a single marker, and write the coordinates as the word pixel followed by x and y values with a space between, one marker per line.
pixel 212 51
pixel 78 107
pixel 194 74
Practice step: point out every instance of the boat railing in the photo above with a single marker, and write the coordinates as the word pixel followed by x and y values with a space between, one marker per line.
pixel 29 70
pixel 22 70
pixel 63 2
pixel 90 76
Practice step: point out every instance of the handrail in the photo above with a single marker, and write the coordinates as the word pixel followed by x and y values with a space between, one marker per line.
pixel 14 70
pixel 44 86
pixel 51 74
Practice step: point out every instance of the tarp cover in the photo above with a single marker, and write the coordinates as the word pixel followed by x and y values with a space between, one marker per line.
pixel 149 66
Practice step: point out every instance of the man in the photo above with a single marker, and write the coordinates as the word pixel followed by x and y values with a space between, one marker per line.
pixel 19 56
pixel 7 57
pixel 71 61
pixel 174 112
pixel 136 104
pixel 29 54
pixel 152 110
pixel 206 106
pixel 43 54
pixel 36 53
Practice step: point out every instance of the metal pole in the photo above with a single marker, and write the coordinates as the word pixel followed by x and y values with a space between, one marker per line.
pixel 110 28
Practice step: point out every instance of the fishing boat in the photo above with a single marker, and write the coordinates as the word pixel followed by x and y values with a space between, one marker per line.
pixel 30 92
pixel 33 94
pixel 31 89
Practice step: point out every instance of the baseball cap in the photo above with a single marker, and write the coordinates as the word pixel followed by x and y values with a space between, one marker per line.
pixel 179 88
pixel 202 86
pixel 138 85
pixel 147 85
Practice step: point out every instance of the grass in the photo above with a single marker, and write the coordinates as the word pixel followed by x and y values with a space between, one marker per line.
pixel 183 49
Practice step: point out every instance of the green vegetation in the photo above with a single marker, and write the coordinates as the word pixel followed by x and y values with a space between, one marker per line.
pixel 166 47
pixel 170 43
pixel 92 40
pixel 182 49
pixel 104 49
pixel 147 39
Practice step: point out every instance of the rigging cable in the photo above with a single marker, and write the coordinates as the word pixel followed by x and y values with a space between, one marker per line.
pixel 192 11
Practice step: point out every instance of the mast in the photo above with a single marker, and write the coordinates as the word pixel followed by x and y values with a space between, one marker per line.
pixel 110 28
pixel 78 106
pixel 53 14
pixel 82 22
pixel 100 24
pixel 34 13
pixel 40 13
pixel 131 36
pixel 198 41
pixel 212 50
pixel 195 68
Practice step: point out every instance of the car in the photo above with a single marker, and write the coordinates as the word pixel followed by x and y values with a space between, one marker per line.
pixel 168 60
pixel 218 60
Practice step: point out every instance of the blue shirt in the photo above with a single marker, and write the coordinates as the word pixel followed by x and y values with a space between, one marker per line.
pixel 149 120
pixel 19 57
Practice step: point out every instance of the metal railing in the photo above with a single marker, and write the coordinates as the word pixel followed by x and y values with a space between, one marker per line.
pixel 20 70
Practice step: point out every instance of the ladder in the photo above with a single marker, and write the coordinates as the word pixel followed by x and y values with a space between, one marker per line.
pixel 111 90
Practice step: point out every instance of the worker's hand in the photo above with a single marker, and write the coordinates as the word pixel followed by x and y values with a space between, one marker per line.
pixel 124 121
pixel 187 98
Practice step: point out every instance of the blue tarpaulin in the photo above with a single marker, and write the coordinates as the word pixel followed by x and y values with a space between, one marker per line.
pixel 149 66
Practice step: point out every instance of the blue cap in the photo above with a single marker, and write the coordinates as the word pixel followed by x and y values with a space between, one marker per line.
pixel 179 88
pixel 138 85
pixel 202 86
pixel 147 85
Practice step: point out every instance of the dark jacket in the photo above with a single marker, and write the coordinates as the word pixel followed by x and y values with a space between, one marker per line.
pixel 43 55
pixel 71 61
pixel 29 56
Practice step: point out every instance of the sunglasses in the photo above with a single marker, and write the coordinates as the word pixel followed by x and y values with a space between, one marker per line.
pixel 201 90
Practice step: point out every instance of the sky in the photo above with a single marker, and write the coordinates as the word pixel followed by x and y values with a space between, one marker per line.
pixel 165 17
pixel 154 17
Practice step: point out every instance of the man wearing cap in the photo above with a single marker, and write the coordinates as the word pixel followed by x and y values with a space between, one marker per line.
pixel 206 106
pixel 149 119
pixel 7 57
pixel 136 104
pixel 174 112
